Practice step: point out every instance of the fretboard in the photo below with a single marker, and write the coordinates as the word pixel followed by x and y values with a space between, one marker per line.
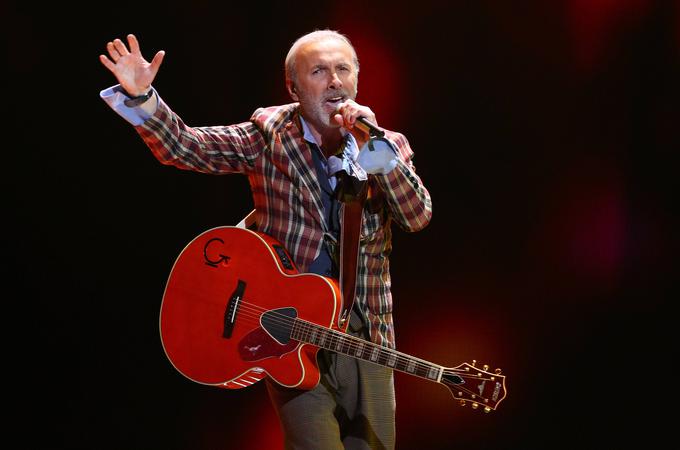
pixel 358 348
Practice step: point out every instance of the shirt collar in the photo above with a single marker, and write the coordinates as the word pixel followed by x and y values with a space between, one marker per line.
pixel 306 132
pixel 309 137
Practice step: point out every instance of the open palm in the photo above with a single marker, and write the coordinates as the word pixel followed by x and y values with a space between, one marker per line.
pixel 133 72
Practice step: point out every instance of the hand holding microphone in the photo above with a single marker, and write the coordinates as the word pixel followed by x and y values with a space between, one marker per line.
pixel 376 154
pixel 369 127
pixel 350 114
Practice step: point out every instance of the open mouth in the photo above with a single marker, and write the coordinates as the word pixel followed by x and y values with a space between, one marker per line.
pixel 335 101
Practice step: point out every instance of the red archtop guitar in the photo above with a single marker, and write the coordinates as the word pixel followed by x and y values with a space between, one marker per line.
pixel 235 309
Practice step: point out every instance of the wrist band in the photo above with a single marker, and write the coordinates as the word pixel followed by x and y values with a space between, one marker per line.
pixel 135 101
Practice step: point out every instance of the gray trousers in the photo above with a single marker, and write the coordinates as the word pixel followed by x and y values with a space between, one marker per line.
pixel 352 407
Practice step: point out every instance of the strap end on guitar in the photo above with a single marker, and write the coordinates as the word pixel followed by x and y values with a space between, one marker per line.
pixel 248 221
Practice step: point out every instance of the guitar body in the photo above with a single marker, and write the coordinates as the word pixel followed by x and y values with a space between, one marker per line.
pixel 227 293
pixel 235 310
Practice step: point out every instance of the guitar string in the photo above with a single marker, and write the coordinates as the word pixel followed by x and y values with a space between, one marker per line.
pixel 285 323
pixel 472 394
pixel 348 344
pixel 358 341
pixel 252 313
pixel 464 389
pixel 306 327
pixel 353 347
pixel 418 365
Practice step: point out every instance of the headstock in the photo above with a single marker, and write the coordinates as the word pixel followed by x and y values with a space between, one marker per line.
pixel 469 383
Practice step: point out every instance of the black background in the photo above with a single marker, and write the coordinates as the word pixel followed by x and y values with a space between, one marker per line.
pixel 546 132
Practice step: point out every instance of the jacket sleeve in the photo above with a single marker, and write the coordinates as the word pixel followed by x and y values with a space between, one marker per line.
pixel 407 198
pixel 215 150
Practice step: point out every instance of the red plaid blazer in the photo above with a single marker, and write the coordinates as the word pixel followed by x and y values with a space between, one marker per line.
pixel 271 151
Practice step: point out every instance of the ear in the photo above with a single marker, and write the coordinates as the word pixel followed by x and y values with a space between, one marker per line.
pixel 290 86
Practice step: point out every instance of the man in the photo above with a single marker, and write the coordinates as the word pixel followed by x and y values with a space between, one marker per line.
pixel 291 155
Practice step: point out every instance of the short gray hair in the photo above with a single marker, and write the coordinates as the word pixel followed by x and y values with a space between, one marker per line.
pixel 315 36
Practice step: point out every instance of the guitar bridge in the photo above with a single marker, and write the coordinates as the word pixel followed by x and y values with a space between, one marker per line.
pixel 232 309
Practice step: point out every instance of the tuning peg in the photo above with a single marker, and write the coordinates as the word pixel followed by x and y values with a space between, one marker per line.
pixel 475 405
pixel 485 367
pixel 497 371
pixel 474 362
pixel 462 403
pixel 487 409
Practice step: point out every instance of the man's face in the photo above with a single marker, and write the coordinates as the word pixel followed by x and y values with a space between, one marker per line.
pixel 326 76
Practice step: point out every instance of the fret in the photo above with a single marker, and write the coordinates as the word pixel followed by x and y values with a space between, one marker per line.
pixel 345 344
pixel 322 339
pixel 338 345
pixel 296 333
pixel 411 366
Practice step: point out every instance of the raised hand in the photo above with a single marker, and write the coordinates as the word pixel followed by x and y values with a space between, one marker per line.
pixel 134 73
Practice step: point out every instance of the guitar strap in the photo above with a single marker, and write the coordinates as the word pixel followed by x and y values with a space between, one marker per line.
pixel 352 193
pixel 248 221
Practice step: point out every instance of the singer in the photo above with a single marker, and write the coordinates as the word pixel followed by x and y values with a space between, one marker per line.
pixel 293 156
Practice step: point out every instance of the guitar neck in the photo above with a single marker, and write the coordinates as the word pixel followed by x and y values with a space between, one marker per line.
pixel 358 348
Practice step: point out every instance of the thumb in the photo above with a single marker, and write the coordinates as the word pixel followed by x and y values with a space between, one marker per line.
pixel 157 60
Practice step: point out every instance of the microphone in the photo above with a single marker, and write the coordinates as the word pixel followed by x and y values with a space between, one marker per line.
pixel 371 128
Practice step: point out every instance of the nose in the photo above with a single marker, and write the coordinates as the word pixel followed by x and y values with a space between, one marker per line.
pixel 336 82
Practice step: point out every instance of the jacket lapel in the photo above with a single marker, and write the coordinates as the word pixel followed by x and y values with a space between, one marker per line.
pixel 291 151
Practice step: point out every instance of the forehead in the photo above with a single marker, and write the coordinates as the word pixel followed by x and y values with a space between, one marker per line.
pixel 326 51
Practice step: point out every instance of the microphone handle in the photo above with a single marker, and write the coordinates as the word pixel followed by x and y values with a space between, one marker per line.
pixel 372 128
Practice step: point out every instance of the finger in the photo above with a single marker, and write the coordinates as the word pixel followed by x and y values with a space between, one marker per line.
pixel 349 115
pixel 339 116
pixel 343 112
pixel 133 43
pixel 157 60
pixel 115 56
pixel 107 62
pixel 122 49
